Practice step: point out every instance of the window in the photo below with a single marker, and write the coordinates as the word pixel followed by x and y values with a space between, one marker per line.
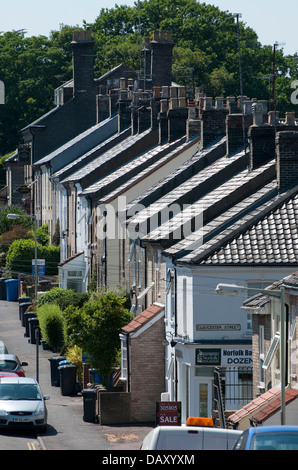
pixel 272 349
pixel 124 365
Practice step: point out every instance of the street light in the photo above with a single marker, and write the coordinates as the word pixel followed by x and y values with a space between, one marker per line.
pixel 16 217
pixel 233 290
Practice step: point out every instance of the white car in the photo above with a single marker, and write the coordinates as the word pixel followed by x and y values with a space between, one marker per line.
pixel 190 438
pixel 22 404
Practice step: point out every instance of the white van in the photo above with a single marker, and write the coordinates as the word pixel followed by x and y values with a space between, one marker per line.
pixel 190 438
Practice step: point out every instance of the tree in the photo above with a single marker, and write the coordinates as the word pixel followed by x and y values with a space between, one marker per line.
pixel 96 327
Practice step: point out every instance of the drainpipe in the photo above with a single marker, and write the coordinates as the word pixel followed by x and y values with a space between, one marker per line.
pixel 176 375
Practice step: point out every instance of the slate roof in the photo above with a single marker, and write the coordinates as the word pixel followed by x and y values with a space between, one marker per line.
pixel 76 146
pixel 260 300
pixel 102 160
pixel 134 170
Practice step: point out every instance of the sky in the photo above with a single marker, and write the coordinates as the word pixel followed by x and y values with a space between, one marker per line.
pixel 272 20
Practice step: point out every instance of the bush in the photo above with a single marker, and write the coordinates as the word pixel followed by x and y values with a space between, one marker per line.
pixel 17 233
pixel 63 297
pixel 96 327
pixel 42 235
pixel 22 252
pixel 51 325
pixel 53 295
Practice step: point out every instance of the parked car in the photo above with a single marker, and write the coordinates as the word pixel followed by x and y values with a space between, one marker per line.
pixel 11 363
pixel 190 438
pixel 268 438
pixel 8 374
pixel 22 404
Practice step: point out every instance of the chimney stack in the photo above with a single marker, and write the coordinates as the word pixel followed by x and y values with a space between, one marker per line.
pixel 287 159
pixel 83 64
pixel 261 138
pixel 161 58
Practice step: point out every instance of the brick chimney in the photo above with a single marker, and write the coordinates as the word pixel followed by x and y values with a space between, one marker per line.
pixel 286 159
pixel 213 122
pixel 161 58
pixel 261 138
pixel 83 63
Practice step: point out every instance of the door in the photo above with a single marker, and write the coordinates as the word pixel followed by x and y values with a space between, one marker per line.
pixel 203 398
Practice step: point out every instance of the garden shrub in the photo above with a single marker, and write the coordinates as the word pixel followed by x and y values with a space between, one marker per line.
pixel 53 295
pixel 51 325
pixel 22 252
pixel 63 297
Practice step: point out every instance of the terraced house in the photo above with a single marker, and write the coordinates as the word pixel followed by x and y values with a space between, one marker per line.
pixel 168 197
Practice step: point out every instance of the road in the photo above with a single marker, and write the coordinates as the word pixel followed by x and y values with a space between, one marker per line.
pixel 66 428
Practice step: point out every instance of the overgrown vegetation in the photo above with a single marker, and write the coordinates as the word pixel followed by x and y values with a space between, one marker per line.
pixel 78 322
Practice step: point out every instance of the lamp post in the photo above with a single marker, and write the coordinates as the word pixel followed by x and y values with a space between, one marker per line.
pixel 16 217
pixel 233 290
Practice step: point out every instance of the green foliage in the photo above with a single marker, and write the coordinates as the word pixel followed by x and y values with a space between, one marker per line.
pixel 53 295
pixel 96 327
pixel 42 234
pixel 51 325
pixel 205 56
pixel 18 233
pixel 63 298
pixel 56 235
pixel 8 224
pixel 74 356
pixel 22 252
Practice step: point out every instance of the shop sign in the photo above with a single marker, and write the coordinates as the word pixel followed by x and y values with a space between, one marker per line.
pixel 236 357
pixel 227 357
pixel 168 413
pixel 208 357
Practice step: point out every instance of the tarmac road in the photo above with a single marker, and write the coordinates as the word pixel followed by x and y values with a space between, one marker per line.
pixel 66 428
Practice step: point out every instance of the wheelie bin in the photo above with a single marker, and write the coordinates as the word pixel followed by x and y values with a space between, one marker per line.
pixel 27 317
pixel 22 309
pixel 12 289
pixel 3 288
pixel 68 379
pixel 33 325
pixel 55 374
pixel 89 401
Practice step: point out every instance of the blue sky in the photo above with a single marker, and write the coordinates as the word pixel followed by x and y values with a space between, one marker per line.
pixel 273 21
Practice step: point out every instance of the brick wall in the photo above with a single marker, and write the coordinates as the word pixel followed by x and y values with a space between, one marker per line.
pixel 147 372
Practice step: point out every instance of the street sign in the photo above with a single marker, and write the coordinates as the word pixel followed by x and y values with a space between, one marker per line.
pixel 41 267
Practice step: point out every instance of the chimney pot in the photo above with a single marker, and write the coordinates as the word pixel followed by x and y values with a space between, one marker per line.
pixel 257 110
pixel 290 119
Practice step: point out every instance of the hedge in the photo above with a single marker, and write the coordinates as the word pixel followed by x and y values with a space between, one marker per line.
pixel 22 252
pixel 51 325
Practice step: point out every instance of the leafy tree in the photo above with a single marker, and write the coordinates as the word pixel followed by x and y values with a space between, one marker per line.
pixel 8 224
pixel 96 327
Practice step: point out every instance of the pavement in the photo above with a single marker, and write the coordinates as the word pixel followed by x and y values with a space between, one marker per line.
pixel 66 428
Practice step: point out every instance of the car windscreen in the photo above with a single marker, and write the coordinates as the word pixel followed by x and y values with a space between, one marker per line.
pixel 19 392
pixel 8 364
pixel 286 440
